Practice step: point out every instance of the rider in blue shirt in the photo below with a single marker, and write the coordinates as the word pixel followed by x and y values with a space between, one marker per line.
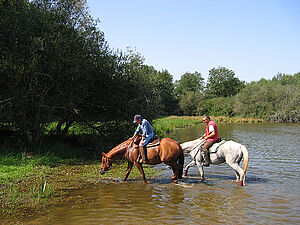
pixel 147 133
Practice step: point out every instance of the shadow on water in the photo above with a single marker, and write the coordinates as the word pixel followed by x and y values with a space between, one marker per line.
pixel 209 179
pixel 256 180
pixel 185 180
pixel 249 179
pixel 190 179
pixel 157 180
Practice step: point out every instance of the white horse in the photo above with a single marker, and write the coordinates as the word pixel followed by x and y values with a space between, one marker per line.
pixel 229 152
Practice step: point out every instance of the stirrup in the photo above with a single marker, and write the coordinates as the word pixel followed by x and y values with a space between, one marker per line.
pixel 205 163
pixel 140 160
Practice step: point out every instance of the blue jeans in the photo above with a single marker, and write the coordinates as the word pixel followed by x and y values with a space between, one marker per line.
pixel 147 139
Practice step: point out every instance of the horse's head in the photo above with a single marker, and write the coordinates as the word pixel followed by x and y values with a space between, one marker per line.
pixel 106 164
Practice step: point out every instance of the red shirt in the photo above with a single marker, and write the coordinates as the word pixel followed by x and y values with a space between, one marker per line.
pixel 216 137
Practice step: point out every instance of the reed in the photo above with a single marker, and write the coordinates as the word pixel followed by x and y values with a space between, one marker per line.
pixel 40 191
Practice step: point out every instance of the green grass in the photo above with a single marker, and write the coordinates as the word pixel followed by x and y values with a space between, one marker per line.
pixel 14 168
pixel 75 129
pixel 166 125
pixel 30 182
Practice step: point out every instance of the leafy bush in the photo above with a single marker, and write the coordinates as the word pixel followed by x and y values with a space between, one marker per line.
pixel 220 106
pixel 191 103
pixel 269 100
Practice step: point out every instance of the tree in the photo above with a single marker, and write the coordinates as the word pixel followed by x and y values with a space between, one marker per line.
pixel 189 82
pixel 269 99
pixel 222 83
pixel 192 103
pixel 219 106
pixel 285 79
pixel 52 53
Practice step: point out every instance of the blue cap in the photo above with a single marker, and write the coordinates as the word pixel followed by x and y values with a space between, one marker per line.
pixel 136 118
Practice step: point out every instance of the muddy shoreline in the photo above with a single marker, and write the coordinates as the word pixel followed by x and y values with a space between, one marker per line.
pixel 63 180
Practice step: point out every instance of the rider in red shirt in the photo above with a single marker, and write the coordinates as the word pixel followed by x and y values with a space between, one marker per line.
pixel 211 136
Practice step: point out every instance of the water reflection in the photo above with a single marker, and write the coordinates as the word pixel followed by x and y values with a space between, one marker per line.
pixel 270 197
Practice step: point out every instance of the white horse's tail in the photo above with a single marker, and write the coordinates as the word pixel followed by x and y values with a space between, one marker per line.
pixel 245 161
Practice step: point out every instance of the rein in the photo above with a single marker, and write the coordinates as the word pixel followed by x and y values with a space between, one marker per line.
pixel 199 149
pixel 123 158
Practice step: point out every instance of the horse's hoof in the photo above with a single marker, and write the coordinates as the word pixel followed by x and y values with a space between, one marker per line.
pixel 202 178
pixel 175 181
pixel 185 173
pixel 240 183
pixel 174 177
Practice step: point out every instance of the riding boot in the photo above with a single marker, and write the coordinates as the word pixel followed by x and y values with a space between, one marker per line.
pixel 142 153
pixel 206 158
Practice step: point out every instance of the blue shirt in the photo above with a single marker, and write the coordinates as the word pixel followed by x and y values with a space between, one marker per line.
pixel 145 127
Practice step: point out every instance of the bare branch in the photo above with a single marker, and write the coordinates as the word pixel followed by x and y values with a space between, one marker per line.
pixel 6 100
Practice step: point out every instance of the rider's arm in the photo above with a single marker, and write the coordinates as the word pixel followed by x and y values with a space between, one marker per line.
pixel 137 131
pixel 212 134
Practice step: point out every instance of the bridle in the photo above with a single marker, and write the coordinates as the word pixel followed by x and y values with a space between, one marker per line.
pixel 105 163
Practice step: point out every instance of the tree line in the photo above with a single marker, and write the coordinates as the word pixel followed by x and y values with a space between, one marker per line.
pixel 276 100
pixel 56 66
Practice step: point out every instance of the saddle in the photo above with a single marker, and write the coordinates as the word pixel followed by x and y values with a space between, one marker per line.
pixel 215 147
pixel 152 143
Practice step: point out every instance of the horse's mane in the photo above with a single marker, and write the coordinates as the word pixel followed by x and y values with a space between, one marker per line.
pixel 118 150
pixel 191 145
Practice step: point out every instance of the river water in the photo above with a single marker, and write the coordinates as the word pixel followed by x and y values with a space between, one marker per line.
pixel 271 194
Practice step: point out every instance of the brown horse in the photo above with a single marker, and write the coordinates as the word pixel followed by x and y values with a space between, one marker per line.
pixel 168 151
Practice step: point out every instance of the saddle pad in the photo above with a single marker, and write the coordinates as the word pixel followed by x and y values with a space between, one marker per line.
pixel 154 143
pixel 215 147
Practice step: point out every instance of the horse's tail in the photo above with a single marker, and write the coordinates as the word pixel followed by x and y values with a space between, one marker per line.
pixel 180 162
pixel 245 161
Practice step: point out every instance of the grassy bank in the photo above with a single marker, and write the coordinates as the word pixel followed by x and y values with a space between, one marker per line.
pixel 31 182
pixel 163 126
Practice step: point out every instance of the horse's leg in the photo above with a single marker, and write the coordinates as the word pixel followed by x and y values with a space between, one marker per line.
pixel 201 171
pixel 175 169
pixel 192 163
pixel 238 170
pixel 129 167
pixel 140 168
pixel 237 175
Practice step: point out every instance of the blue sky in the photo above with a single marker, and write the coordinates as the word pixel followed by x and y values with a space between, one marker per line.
pixel 255 38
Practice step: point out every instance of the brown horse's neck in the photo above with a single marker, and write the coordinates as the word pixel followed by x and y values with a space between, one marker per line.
pixel 119 151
